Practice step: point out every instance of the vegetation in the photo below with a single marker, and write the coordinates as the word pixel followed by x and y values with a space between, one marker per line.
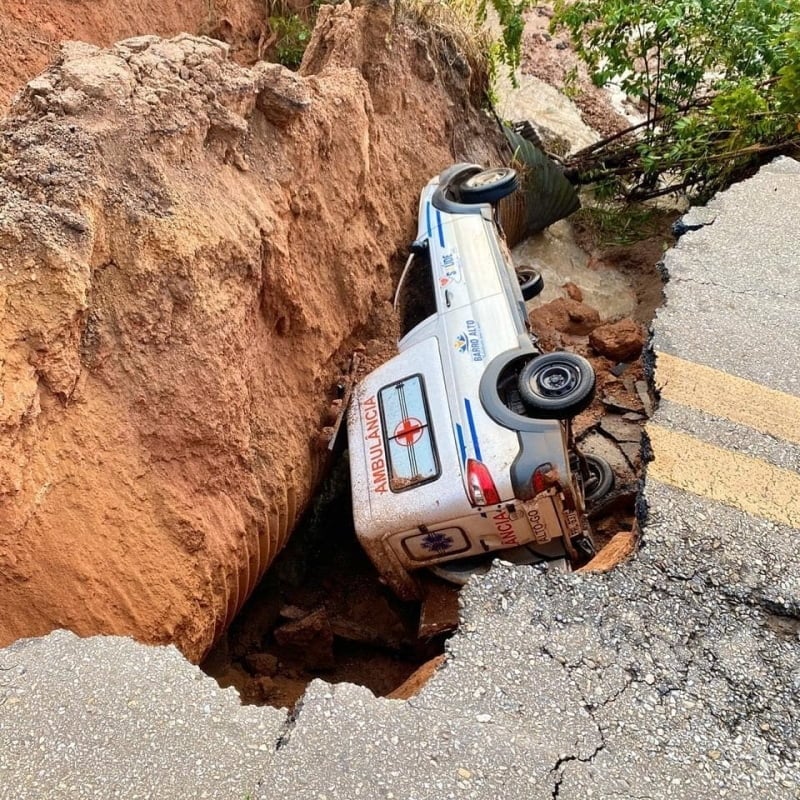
pixel 718 82
pixel 456 32
pixel 611 224
pixel 291 33
pixel 290 30
pixel 461 20
pixel 510 14
pixel 507 50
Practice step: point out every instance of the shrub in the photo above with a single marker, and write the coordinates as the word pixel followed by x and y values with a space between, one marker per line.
pixel 718 82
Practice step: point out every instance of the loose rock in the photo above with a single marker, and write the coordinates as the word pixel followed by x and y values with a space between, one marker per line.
pixel 312 636
pixel 620 548
pixel 620 341
pixel 573 291
pixel 261 663
pixel 620 429
pixel 566 316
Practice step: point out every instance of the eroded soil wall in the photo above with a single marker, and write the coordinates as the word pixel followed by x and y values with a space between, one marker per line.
pixel 189 249
pixel 32 30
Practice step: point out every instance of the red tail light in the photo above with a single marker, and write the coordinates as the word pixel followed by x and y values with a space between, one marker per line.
pixel 542 478
pixel 482 491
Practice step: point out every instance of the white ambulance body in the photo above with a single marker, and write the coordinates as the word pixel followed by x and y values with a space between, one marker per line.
pixel 448 461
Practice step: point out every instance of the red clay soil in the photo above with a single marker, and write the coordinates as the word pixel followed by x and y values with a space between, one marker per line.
pixel 619 549
pixel 32 30
pixel 550 58
pixel 189 252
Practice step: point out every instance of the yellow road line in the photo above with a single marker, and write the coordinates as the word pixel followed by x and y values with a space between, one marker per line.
pixel 723 395
pixel 737 480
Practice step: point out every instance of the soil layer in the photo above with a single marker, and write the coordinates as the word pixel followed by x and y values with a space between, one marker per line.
pixel 190 252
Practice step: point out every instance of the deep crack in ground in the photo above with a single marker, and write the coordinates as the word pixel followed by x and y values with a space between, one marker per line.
pixel 321 611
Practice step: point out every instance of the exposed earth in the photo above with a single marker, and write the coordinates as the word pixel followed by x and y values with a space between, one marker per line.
pixel 321 612
pixel 181 302
pixel 191 251
pixel 32 30
pixel 548 56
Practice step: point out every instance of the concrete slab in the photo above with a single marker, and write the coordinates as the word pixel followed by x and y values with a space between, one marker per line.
pixel 106 717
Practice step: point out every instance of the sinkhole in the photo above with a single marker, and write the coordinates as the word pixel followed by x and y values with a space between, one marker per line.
pixel 321 610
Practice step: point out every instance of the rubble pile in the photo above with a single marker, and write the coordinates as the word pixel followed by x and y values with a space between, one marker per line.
pixel 612 426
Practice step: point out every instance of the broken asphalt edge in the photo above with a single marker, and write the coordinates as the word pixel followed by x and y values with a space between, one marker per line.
pixel 675 675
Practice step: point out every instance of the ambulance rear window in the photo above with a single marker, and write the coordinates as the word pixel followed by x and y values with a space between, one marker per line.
pixel 410 447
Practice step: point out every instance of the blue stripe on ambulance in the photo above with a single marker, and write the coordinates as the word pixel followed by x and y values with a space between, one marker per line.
pixel 461 446
pixel 472 430
pixel 441 228
pixel 428 218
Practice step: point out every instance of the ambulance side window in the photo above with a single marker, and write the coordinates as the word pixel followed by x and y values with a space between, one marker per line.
pixel 417 300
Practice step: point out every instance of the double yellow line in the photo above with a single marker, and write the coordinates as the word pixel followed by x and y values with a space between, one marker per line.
pixel 745 482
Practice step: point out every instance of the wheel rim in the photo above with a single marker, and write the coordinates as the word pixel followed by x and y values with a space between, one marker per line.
pixel 556 380
pixel 598 480
pixel 485 178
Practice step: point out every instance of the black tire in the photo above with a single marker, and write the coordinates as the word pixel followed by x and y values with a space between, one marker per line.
pixel 531 282
pixel 557 385
pixel 599 479
pixel 488 186
pixel 499 392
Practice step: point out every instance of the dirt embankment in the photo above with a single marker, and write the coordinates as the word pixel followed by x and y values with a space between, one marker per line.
pixel 32 30
pixel 188 251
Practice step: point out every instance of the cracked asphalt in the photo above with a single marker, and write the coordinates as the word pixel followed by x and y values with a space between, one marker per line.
pixel 676 675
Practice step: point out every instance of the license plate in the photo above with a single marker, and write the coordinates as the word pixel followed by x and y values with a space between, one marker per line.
pixel 544 518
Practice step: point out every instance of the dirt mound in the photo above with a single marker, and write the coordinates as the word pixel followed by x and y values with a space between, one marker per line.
pixel 33 29
pixel 188 250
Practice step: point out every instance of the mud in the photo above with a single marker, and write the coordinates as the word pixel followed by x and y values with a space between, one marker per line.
pixel 558 256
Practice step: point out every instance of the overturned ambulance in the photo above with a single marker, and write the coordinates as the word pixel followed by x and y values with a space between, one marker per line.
pixel 460 446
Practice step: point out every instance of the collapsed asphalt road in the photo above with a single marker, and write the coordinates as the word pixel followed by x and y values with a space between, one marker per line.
pixel 676 675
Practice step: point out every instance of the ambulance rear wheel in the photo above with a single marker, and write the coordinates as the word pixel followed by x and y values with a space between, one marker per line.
pixel 557 385
pixel 531 282
pixel 599 478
